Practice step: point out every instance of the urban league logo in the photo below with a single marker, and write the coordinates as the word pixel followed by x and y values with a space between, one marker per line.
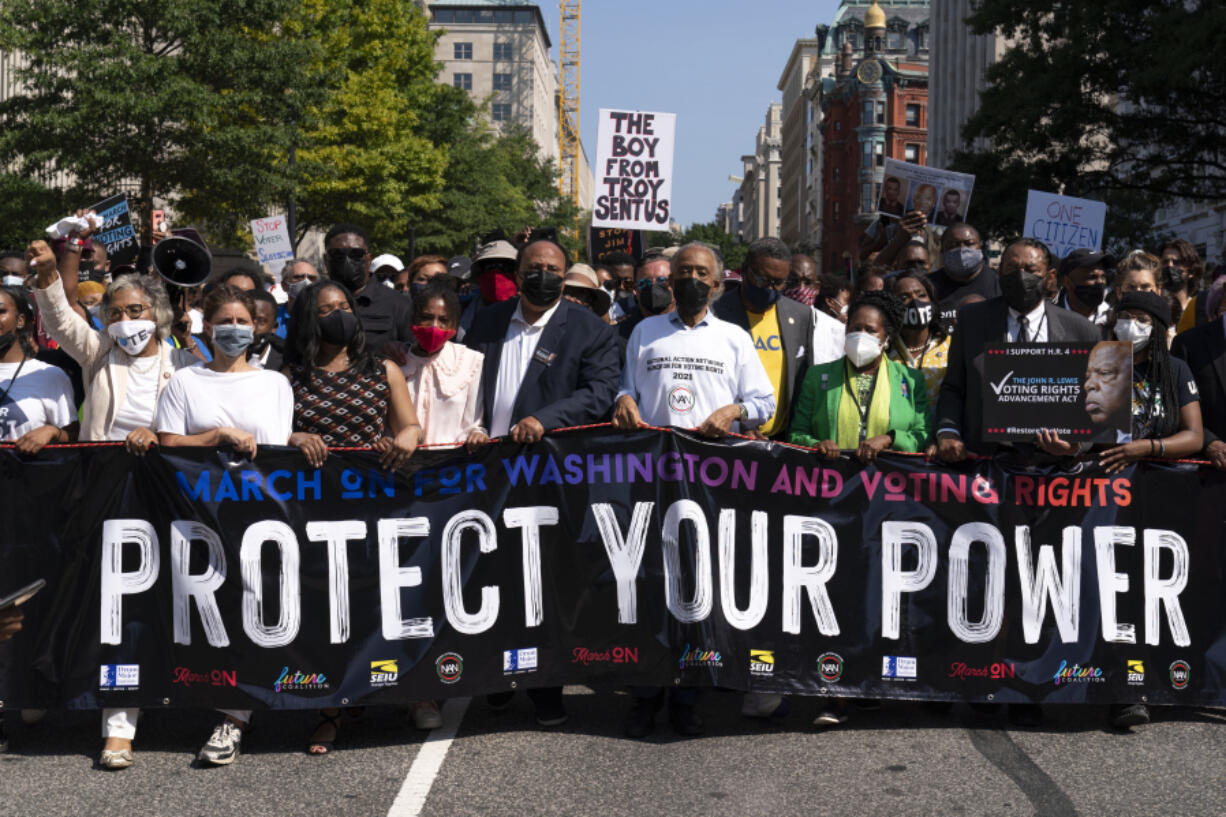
pixel 384 673
pixel 300 681
pixel 761 662
pixel 449 666
pixel 899 668
pixel 680 399
pixel 119 676
pixel 1181 674
pixel 700 658
pixel 519 661
pixel 830 666
pixel 1078 674
pixel 1136 673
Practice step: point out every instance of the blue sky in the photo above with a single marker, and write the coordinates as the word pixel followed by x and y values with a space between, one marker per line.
pixel 715 63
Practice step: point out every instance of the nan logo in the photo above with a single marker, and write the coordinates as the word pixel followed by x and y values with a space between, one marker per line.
pixel 384 673
pixel 680 399
pixel 761 662
pixel 1136 673
pixel 515 662
pixel 119 676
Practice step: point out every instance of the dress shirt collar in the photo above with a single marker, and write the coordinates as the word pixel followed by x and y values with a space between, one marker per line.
pixel 518 317
pixel 675 319
pixel 1032 317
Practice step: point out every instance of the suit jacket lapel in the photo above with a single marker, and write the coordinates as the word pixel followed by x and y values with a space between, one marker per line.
pixel 489 372
pixel 1217 352
pixel 548 347
pixel 999 332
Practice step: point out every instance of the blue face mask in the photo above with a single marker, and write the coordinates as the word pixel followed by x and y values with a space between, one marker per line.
pixel 467 298
pixel 231 339
pixel 759 298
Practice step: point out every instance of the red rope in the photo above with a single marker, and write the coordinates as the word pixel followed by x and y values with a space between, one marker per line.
pixel 643 427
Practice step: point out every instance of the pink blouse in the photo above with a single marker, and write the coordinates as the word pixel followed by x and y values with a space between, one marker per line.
pixel 446 391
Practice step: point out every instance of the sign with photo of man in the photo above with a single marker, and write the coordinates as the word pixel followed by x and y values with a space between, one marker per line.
pixel 943 196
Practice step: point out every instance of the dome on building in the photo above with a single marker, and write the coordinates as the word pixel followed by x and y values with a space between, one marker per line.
pixel 874 17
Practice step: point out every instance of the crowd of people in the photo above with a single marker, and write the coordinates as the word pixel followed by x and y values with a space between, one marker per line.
pixel 519 340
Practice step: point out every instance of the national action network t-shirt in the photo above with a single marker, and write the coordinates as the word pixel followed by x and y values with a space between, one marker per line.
pixel 42 396
pixel 197 400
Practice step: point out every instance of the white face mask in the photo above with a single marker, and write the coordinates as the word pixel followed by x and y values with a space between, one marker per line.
pixel 13 281
pixel 1135 331
pixel 132 336
pixel 862 348
pixel 844 309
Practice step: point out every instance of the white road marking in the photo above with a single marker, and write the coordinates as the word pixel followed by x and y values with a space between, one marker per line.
pixel 416 786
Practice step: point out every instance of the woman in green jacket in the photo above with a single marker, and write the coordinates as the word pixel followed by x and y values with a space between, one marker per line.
pixel 864 402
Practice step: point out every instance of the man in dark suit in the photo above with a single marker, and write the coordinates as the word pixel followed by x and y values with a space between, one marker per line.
pixel 1203 348
pixel 781 329
pixel 1020 315
pixel 548 364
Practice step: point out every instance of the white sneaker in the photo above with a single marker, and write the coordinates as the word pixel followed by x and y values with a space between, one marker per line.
pixel 831 716
pixel 223 746
pixel 426 715
pixel 761 704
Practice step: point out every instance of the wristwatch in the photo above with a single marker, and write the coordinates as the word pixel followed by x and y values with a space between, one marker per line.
pixel 744 413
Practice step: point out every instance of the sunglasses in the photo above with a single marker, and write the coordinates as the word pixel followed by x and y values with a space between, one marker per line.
pixel 356 253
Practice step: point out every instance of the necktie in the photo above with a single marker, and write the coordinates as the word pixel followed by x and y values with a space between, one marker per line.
pixel 1024 335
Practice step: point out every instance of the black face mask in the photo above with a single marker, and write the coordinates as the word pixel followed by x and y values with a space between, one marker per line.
pixel 691 296
pixel 541 288
pixel 1091 294
pixel 1022 290
pixel 338 327
pixel 654 298
pixel 1172 279
pixel 6 342
pixel 918 314
pixel 347 271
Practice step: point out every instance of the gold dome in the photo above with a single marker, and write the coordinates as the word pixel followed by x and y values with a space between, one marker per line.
pixel 874 17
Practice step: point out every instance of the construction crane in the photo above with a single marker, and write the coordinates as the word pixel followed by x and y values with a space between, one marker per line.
pixel 568 103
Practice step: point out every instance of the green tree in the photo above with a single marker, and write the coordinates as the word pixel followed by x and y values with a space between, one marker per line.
pixel 1118 100
pixel 710 233
pixel 186 99
pixel 26 207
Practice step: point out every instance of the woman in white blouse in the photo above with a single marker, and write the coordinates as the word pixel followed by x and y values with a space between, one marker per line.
pixel 444 377
pixel 227 402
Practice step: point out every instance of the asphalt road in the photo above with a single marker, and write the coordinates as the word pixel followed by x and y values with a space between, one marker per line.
pixel 902 760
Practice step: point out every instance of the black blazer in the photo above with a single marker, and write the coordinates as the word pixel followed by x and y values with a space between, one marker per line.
pixel 960 402
pixel 574 374
pixel 795 330
pixel 1203 348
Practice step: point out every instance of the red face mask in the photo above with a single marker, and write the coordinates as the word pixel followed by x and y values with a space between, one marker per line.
pixel 496 286
pixel 432 338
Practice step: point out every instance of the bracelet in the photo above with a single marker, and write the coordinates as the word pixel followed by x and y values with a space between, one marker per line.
pixel 1153 447
pixel 1162 446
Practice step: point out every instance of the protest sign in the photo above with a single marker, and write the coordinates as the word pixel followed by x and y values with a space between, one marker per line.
pixel 942 195
pixel 634 169
pixel 603 240
pixel 651 557
pixel 1082 391
pixel 1065 223
pixel 271 236
pixel 116 232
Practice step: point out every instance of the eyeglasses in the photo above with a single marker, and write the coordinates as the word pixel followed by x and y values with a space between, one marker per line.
pixel 646 283
pixel 356 253
pixel 116 313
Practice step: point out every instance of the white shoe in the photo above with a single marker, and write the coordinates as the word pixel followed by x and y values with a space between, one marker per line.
pixel 761 704
pixel 426 715
pixel 831 717
pixel 223 746
pixel 116 758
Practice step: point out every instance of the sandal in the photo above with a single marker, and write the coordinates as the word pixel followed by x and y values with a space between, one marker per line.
pixel 318 748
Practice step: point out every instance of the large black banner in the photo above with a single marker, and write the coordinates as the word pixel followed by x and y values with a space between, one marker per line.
pixel 189 578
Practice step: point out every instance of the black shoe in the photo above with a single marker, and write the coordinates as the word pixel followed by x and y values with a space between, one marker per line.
pixel 4 738
pixel 984 707
pixel 1124 716
pixel 938 707
pixel 868 704
pixel 550 711
pixel 641 721
pixel 685 720
pixel 499 701
pixel 1025 715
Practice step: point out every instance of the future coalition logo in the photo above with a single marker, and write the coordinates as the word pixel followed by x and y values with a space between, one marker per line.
pixel 299 681
pixel 1078 674
pixel 695 657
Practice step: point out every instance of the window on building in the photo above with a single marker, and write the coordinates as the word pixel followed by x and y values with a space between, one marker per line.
pixel 463 15
pixel 835 212
pixel 866 198
pixel 504 16
pixel 881 112
pixel 913 116
pixel 502 82
pixel 911 154
pixel 921 37
pixel 836 174
pixel 879 153
pixel 894 40
pixel 483 15
pixel 462 81
pixel 524 16
pixel 868 112
pixel 463 51
pixel 443 15
pixel 838 124
pixel 504 51
pixel 500 111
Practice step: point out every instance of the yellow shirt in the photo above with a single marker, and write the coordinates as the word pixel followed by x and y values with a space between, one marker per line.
pixel 767 339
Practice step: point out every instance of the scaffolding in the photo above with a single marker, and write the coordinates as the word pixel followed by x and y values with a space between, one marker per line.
pixel 568 103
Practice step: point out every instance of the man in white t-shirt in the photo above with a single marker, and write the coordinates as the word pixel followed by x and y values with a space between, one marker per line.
pixel 689 368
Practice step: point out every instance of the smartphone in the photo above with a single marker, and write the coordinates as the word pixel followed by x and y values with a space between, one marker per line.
pixel 23 595
pixel 159 221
